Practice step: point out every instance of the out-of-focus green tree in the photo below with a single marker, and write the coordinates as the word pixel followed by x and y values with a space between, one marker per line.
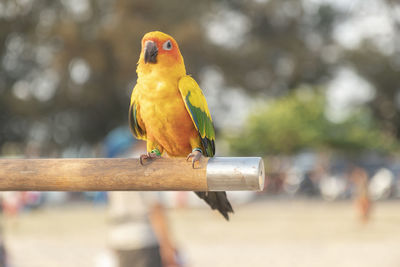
pixel 287 43
pixel 68 67
pixel 298 121
pixel 282 44
pixel 383 72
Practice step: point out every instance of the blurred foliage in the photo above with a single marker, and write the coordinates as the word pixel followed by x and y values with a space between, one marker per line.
pixel 297 122
pixel 68 67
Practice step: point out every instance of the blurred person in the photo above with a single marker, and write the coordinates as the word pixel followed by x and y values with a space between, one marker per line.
pixel 363 202
pixel 275 182
pixel 308 185
pixel 31 199
pixel 139 233
pixel 12 203
pixel 3 252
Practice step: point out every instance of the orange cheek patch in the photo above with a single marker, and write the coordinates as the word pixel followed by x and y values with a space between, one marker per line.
pixel 173 53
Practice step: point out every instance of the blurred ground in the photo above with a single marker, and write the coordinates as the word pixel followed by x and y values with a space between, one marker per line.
pixel 265 233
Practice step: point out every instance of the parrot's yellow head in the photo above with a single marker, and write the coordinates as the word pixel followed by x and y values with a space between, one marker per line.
pixel 160 51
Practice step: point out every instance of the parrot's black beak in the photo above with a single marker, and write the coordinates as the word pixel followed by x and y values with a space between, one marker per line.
pixel 150 52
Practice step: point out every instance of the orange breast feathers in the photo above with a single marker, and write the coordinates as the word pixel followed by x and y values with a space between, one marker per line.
pixel 165 118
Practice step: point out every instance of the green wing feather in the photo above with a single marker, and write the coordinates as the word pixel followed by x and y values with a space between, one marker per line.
pixel 197 107
pixel 136 130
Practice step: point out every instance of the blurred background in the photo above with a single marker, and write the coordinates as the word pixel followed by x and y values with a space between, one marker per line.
pixel 313 86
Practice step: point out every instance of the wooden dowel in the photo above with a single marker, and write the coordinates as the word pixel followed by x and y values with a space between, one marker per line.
pixel 98 174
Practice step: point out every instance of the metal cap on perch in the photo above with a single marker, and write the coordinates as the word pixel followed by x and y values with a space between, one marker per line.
pixel 229 173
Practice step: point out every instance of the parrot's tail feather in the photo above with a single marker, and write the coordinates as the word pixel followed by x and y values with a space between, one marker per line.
pixel 218 201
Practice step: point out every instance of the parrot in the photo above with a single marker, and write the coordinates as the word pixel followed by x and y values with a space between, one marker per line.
pixel 169 110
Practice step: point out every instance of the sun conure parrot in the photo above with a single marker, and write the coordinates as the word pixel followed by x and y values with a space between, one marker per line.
pixel 169 111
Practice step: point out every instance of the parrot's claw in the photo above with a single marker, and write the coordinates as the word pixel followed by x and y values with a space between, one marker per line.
pixel 196 155
pixel 147 156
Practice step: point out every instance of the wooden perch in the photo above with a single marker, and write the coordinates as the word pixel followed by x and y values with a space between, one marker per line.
pixel 100 174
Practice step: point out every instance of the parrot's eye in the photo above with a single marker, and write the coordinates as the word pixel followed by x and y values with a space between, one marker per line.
pixel 167 45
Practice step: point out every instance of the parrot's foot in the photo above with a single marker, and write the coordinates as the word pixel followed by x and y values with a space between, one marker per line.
pixel 149 155
pixel 196 155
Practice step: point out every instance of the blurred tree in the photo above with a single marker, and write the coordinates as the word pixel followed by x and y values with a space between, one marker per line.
pixel 297 122
pixel 383 72
pixel 280 46
pixel 287 43
pixel 67 67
